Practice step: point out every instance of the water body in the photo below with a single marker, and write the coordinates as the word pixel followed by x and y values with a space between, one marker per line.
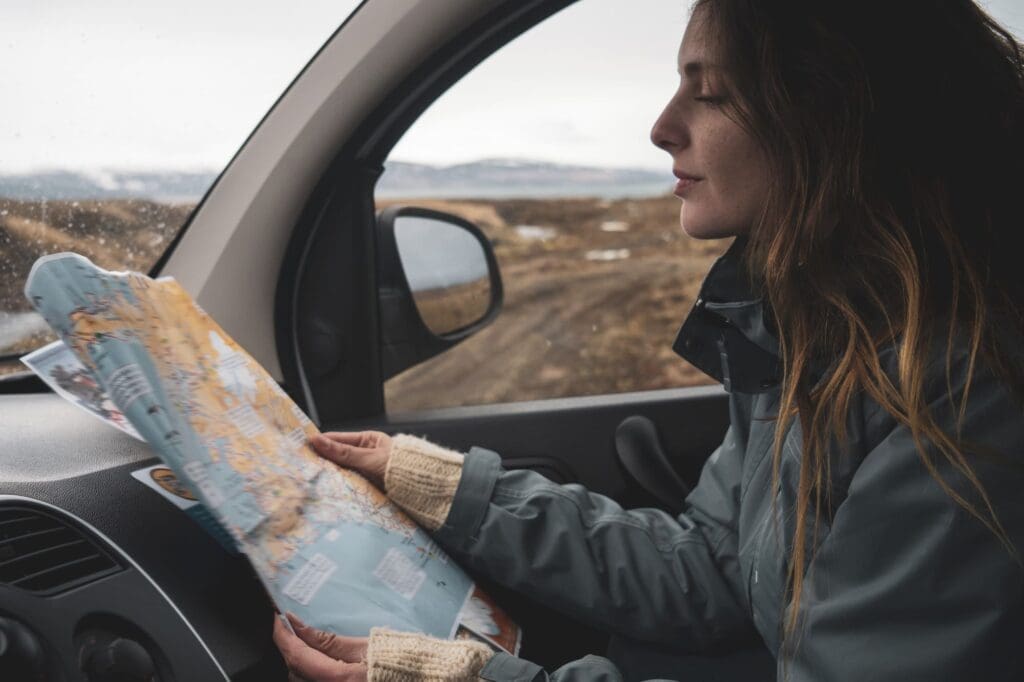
pixel 600 191
pixel 536 232
pixel 15 327
pixel 607 254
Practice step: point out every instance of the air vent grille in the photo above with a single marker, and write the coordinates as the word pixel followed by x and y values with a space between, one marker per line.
pixel 42 553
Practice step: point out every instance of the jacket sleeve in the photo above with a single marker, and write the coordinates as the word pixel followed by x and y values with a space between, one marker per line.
pixel 907 585
pixel 640 573
pixel 505 668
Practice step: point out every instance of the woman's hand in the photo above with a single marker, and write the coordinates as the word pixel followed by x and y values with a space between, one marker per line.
pixel 365 452
pixel 319 656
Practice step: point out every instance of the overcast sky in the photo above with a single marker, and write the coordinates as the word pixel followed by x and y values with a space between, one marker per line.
pixel 125 84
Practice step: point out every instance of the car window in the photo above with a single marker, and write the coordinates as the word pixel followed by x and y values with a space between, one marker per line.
pixel 545 147
pixel 117 118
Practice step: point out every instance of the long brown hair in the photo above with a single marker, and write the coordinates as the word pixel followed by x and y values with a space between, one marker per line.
pixel 894 134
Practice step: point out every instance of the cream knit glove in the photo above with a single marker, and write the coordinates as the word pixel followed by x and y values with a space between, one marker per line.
pixel 408 657
pixel 421 478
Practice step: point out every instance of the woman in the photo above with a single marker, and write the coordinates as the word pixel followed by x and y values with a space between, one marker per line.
pixel 863 513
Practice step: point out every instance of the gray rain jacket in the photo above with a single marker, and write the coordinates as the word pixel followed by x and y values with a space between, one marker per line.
pixel 905 585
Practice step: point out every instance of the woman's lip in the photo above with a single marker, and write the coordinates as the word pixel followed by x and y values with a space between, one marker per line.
pixel 683 185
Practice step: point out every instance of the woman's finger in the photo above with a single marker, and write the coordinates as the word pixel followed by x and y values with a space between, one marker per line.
pixel 339 453
pixel 348 649
pixel 359 439
pixel 313 665
pixel 370 462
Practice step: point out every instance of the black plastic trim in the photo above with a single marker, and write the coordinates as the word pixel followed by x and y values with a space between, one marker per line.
pixel 327 342
pixel 21 501
pixel 23 382
pixel 406 338
pixel 59 524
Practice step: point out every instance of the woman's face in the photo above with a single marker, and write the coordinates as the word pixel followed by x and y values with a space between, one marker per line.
pixel 721 169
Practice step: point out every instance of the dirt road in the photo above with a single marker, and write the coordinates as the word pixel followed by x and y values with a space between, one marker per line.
pixel 571 329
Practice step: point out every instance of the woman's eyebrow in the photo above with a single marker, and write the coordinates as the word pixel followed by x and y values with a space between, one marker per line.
pixel 694 69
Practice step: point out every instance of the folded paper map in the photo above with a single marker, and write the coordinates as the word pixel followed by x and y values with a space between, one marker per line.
pixel 327 544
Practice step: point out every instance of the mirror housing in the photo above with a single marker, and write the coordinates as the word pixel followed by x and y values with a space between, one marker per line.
pixel 406 337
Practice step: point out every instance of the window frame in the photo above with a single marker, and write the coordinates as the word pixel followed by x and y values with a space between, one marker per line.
pixel 328 346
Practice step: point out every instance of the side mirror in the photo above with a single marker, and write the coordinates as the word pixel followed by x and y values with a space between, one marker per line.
pixel 438 284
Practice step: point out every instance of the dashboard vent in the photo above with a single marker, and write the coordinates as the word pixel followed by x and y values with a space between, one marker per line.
pixel 42 553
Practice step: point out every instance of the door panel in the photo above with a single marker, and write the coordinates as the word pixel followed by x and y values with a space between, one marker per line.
pixel 575 437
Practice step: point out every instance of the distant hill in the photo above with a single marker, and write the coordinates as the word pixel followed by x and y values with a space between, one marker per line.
pixel 496 178
pixel 167 187
pixel 503 178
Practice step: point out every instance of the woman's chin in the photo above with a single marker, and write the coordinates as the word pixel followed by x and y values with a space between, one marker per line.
pixel 696 228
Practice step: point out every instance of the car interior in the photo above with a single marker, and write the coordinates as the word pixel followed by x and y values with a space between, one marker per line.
pixel 100 578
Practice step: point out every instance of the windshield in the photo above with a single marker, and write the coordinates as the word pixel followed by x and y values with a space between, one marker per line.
pixel 117 118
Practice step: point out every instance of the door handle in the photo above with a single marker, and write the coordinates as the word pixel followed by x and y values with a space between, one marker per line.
pixel 639 450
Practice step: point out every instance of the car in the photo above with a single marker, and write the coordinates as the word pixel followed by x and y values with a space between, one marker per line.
pixel 290 252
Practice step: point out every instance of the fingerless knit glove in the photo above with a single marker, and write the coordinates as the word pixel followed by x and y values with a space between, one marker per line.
pixel 421 478
pixel 408 657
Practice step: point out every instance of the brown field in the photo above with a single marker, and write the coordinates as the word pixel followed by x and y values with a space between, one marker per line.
pixel 449 309
pixel 590 308
pixel 118 235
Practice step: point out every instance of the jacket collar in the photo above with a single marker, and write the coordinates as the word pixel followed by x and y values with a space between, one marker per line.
pixel 727 335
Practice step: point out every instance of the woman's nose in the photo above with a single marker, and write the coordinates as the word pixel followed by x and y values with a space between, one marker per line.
pixel 669 131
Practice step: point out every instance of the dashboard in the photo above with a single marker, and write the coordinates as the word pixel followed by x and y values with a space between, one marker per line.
pixel 101 577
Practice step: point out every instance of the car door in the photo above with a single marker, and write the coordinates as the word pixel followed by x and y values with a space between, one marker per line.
pixel 535 386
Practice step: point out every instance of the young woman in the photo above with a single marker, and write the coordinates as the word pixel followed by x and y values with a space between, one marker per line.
pixel 864 512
